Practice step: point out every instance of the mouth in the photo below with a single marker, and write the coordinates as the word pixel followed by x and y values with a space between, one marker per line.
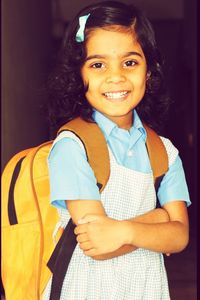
pixel 118 95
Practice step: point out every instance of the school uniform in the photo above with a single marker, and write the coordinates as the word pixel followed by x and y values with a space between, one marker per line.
pixel 129 192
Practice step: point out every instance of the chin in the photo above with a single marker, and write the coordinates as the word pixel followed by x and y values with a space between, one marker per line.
pixel 117 114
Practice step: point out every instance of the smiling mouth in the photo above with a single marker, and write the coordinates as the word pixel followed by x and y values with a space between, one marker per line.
pixel 116 95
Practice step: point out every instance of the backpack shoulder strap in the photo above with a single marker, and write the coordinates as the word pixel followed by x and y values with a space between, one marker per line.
pixel 95 146
pixel 157 153
pixel 97 152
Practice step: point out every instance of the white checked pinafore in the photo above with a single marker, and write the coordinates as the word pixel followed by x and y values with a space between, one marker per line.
pixel 139 275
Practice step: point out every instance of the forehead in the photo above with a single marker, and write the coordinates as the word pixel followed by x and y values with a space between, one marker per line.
pixel 112 42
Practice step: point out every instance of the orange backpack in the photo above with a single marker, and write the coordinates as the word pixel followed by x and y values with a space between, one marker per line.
pixel 28 219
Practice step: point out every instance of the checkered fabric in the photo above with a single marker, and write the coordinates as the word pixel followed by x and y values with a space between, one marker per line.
pixel 139 275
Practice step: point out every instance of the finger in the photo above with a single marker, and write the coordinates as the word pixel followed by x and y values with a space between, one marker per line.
pixel 80 229
pixel 91 252
pixel 88 219
pixel 168 254
pixel 86 246
pixel 81 238
pixel 83 221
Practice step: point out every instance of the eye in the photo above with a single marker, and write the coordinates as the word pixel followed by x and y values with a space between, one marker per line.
pixel 130 63
pixel 97 65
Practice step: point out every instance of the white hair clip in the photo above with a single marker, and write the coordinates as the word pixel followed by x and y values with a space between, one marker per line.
pixel 80 33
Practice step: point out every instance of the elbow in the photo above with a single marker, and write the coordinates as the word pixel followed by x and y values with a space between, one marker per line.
pixel 184 243
pixel 181 246
pixel 183 240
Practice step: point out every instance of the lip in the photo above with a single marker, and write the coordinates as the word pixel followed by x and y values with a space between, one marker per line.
pixel 116 96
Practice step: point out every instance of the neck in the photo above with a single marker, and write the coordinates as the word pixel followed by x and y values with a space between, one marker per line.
pixel 124 122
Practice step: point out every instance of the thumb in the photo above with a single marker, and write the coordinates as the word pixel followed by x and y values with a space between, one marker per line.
pixel 88 219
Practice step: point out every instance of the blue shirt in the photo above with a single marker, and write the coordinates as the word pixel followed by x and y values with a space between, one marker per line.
pixel 71 177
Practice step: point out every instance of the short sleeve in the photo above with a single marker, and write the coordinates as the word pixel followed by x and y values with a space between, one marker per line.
pixel 173 185
pixel 71 177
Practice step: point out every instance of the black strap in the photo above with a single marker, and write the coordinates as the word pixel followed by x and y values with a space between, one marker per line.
pixel 60 258
pixel 99 185
pixel 157 184
pixel 12 215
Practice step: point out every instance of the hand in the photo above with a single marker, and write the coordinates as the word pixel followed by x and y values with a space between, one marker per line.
pixel 99 234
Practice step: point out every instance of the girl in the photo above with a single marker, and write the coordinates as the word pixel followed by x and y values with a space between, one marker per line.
pixel 110 72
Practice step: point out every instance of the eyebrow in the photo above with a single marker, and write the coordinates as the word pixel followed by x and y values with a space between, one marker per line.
pixel 127 54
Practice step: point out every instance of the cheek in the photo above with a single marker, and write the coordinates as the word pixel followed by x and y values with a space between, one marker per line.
pixel 140 81
pixel 84 77
pixel 89 84
pixel 85 81
pixel 93 85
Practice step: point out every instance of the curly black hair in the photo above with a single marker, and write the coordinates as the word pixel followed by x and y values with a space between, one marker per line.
pixel 66 98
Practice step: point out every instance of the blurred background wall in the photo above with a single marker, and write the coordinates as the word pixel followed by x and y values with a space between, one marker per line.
pixel 31 35
pixel 26 47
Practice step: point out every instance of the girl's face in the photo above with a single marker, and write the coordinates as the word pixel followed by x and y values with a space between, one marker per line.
pixel 115 71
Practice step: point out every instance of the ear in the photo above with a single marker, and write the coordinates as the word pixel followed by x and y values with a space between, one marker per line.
pixel 148 75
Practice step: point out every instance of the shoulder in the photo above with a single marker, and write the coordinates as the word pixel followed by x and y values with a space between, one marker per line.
pixel 172 151
pixel 67 144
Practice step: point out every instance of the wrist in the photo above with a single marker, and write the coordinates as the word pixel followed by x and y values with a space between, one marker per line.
pixel 127 232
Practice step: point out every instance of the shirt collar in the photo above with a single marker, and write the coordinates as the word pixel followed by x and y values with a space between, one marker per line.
pixel 104 123
pixel 107 125
pixel 137 124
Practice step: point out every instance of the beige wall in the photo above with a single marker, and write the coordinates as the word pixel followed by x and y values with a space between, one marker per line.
pixel 25 52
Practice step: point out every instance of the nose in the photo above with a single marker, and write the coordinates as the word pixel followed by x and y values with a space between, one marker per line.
pixel 115 75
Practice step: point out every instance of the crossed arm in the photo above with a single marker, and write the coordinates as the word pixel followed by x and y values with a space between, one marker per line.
pixel 162 230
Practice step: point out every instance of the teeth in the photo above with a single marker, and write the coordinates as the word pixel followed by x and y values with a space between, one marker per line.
pixel 115 95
